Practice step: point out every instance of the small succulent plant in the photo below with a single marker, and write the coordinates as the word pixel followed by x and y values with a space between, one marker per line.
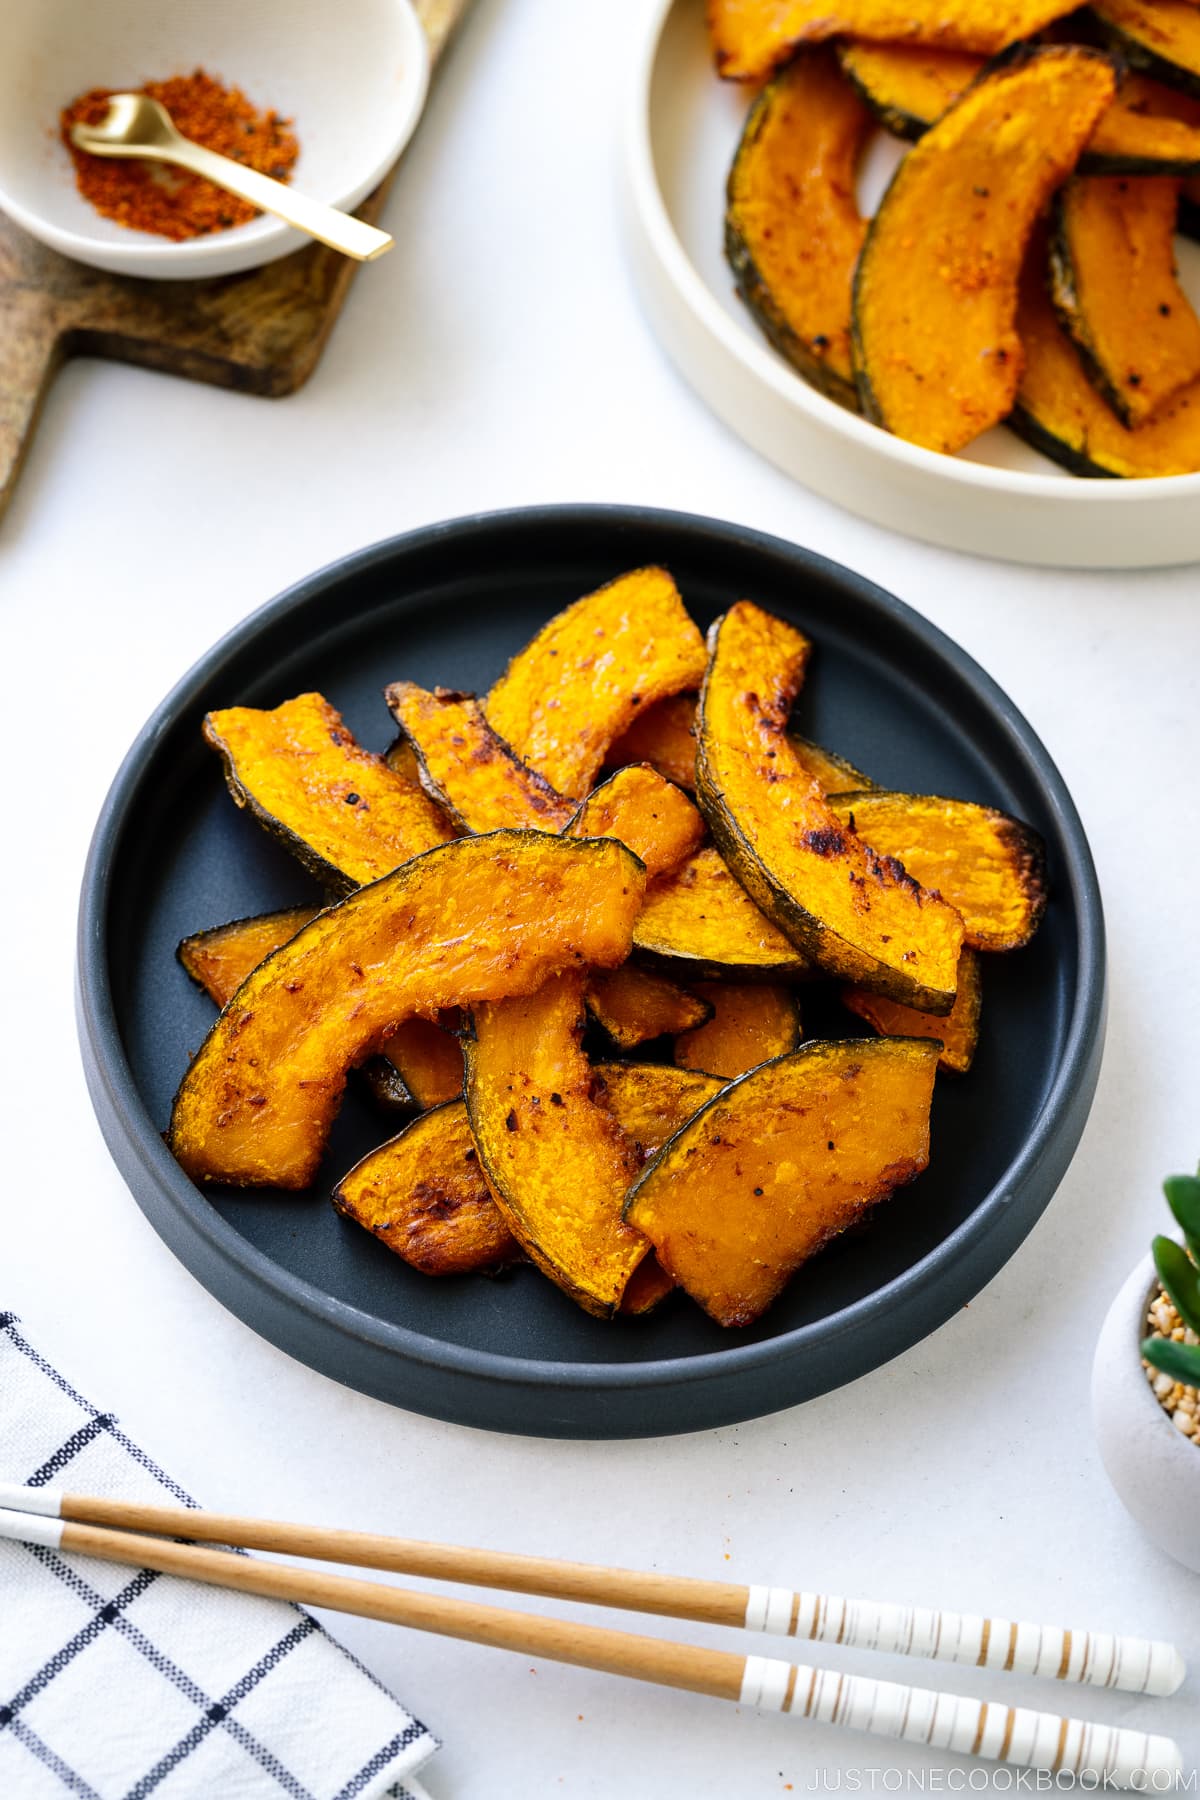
pixel 1179 1273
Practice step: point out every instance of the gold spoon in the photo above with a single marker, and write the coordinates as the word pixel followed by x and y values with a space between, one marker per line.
pixel 138 126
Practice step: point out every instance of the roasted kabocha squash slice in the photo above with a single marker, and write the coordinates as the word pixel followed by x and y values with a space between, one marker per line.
pixel 793 230
pixel 1114 288
pixel 557 1162
pixel 991 868
pixel 424 1195
pixel 588 673
pixel 936 352
pixel 647 813
pixel 479 919
pixel 832 773
pixel 751 38
pixel 1060 413
pixel 857 914
pixel 467 767
pixel 422 1065
pixel 1161 38
pixel 346 815
pixel 662 735
pixel 700 924
pixel 957 1033
pixel 635 1006
pixel 781 1161
pixel 750 1024
pixel 1149 129
pixel 220 959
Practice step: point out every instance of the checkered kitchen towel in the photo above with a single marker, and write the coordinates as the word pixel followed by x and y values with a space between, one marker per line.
pixel 118 1686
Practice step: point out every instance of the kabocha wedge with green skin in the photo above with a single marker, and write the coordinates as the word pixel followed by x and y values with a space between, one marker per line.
pixel 781 1161
pixel 700 924
pixel 647 813
pixel 585 677
pixel 751 38
pixel 219 959
pixel 424 1193
pixel 662 735
pixel 858 915
pixel 832 773
pixel 1149 129
pixel 957 1033
pixel 1160 38
pixel 634 1006
pixel 557 1162
pixel 1114 288
pixel 750 1024
pixel 793 230
pixel 990 867
pixel 1060 413
pixel 467 767
pixel 479 919
pixel 936 352
pixel 346 815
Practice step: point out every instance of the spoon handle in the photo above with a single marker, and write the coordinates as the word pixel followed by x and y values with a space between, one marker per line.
pixel 326 223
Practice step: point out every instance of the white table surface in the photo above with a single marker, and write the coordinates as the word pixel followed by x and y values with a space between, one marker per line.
pixel 499 358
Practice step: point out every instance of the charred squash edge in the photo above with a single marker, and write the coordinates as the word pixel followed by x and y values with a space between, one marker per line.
pixel 1006 62
pixel 1073 317
pixel 1142 56
pixel 753 287
pixel 558 809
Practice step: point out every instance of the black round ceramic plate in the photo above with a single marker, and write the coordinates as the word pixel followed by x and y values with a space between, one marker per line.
pixel 449 605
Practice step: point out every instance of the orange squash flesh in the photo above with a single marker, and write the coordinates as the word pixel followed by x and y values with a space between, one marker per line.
pixel 957 1034
pixel 1114 287
pixel 647 813
pixel 750 1024
pixel 646 1288
pixel 832 773
pixel 780 1162
pixel 750 38
pixel 989 867
pixel 664 736
pixel 346 815
pixel 588 673
pixel 936 350
pixel 700 923
pixel 859 915
pixel 424 1195
pixel 1161 37
pixel 220 959
pixel 421 1065
pixel 558 1164
pixel 635 1006
pixel 1149 128
pixel 479 919
pixel 1060 413
pixel 793 230
pixel 467 768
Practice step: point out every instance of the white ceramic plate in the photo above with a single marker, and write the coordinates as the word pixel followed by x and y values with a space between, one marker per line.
pixel 353 77
pixel 999 497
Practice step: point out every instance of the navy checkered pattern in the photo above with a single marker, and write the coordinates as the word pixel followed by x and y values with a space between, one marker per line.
pixel 118 1688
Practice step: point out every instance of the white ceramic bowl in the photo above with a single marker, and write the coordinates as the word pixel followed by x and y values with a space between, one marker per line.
pixel 1154 1469
pixel 999 497
pixel 352 76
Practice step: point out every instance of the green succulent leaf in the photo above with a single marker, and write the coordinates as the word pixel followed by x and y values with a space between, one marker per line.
pixel 1181 1278
pixel 1180 1361
pixel 1183 1197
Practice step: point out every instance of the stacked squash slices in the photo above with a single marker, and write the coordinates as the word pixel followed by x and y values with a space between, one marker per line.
pixel 1020 267
pixel 585 982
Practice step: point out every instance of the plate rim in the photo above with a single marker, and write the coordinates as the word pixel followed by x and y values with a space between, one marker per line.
pixel 109 1071
pixel 664 253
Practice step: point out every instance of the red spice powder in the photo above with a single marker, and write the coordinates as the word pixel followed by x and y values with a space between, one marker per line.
pixel 150 196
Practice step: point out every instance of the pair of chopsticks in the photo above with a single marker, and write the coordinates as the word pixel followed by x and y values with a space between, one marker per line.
pixel 113 1529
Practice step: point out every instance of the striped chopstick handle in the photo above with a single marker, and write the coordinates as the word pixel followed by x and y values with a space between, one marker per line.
pixel 1096 1659
pixel 1005 1734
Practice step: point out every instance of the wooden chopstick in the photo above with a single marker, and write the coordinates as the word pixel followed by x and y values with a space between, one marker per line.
pixel 888 1709
pixel 1096 1659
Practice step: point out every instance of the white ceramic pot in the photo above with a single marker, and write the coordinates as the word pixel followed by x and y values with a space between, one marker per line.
pixel 1155 1470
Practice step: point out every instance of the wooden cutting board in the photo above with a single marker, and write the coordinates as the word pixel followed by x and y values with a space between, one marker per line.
pixel 261 332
